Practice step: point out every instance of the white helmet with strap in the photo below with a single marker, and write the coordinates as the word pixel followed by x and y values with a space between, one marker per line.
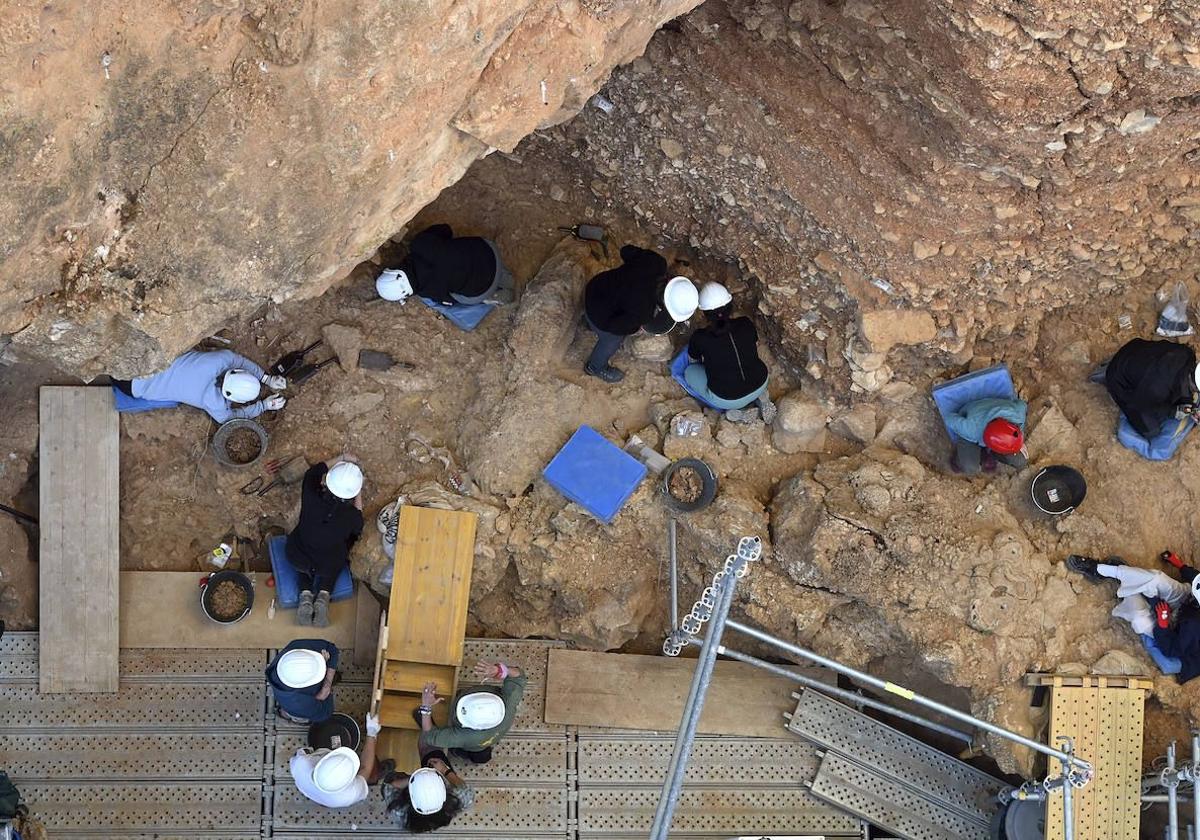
pixel 393 284
pixel 240 386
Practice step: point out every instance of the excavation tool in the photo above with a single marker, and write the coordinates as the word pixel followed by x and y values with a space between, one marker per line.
pixel 589 233
pixel 306 372
pixel 378 360
pixel 18 515
pixel 291 362
pixel 291 473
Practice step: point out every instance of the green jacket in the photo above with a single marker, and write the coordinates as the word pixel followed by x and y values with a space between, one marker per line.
pixel 455 736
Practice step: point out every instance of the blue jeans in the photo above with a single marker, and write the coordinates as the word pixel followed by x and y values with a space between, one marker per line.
pixel 697 379
pixel 607 345
pixel 1169 665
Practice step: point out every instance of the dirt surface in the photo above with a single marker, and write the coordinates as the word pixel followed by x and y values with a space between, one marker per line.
pixel 228 600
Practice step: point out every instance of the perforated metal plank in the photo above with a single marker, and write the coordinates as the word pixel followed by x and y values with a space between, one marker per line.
pixel 18 668
pixel 87 755
pixel 218 834
pixel 206 705
pixel 889 804
pixel 103 808
pixel 717 760
pixel 24 643
pixel 606 811
pixel 877 746
pixel 167 665
pixel 497 812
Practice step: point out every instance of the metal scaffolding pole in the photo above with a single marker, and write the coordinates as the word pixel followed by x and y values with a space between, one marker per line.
pixel 674 574
pixel 1171 779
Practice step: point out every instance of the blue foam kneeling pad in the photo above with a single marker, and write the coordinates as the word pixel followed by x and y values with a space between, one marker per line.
pixel 994 381
pixel 132 405
pixel 466 316
pixel 1158 448
pixel 678 365
pixel 594 473
pixel 287 579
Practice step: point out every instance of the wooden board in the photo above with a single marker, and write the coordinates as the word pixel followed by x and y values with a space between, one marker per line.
pixel 79 549
pixel 625 691
pixel 1106 725
pixel 1034 680
pixel 431 582
pixel 412 676
pixel 401 745
pixel 396 711
pixel 162 610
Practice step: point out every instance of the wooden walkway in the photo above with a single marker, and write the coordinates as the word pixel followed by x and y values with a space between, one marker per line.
pixel 188 748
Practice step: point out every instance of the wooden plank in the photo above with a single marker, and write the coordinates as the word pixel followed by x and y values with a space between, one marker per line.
pixel 366 626
pixel 431 583
pixel 412 676
pixel 626 691
pixel 79 549
pixel 396 710
pixel 1074 681
pixel 162 610
pixel 400 745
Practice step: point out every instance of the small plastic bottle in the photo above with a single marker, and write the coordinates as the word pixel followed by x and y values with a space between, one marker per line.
pixel 220 555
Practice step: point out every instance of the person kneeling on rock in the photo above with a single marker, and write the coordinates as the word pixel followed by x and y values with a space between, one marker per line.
pixel 621 301
pixel 725 368
pixel 1153 382
pixel 1164 612
pixel 221 382
pixel 988 430
pixel 450 270
pixel 331 521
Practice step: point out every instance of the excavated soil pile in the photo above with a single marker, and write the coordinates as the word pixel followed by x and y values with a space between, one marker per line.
pixel 686 485
pixel 243 446
pixel 228 600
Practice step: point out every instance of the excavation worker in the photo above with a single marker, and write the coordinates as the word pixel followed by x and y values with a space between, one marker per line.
pixel 331 521
pixel 301 677
pixel 621 301
pixel 221 382
pixel 1164 612
pixel 449 269
pixel 481 715
pixel 430 797
pixel 988 430
pixel 725 368
pixel 1153 382
pixel 336 778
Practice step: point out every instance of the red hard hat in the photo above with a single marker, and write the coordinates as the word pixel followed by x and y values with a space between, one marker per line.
pixel 1003 437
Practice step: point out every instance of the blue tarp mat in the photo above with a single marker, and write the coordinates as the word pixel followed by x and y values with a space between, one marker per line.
pixel 1160 447
pixel 132 405
pixel 287 579
pixel 994 381
pixel 678 365
pixel 466 316
pixel 594 473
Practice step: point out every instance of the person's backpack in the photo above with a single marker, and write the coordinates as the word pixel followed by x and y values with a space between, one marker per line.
pixel 10 799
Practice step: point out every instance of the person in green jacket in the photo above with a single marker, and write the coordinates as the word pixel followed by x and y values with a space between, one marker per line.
pixel 481 716
pixel 987 431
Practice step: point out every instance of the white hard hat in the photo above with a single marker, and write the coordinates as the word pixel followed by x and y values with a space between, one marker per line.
pixel 714 296
pixel 300 668
pixel 393 284
pixel 426 791
pixel 1196 376
pixel 239 386
pixel 1196 588
pixel 680 298
pixel 336 770
pixel 344 479
pixel 480 710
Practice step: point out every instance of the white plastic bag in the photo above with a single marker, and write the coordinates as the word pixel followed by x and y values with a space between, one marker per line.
pixel 1173 319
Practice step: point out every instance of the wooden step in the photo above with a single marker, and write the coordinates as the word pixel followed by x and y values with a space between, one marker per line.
pixel 396 710
pixel 412 676
pixel 401 746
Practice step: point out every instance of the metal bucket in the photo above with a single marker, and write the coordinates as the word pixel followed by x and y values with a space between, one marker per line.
pixel 1058 490
pixel 210 585
pixel 221 439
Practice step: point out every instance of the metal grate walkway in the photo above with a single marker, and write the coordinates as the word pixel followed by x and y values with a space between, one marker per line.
pixel 189 748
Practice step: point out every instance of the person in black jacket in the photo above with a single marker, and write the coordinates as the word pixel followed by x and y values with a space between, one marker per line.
pixel 1173 645
pixel 331 521
pixel 621 301
pixel 449 269
pixel 1153 382
pixel 725 368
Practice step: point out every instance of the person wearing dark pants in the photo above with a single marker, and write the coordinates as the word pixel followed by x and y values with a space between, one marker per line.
pixel 1153 382
pixel 330 522
pixel 450 270
pixel 481 717
pixel 987 431
pixel 621 301
pixel 301 678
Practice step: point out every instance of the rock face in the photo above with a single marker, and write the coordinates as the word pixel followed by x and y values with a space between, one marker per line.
pixel 228 154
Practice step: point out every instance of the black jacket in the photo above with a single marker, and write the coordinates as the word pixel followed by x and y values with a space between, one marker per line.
pixel 1148 380
pixel 622 300
pixel 320 543
pixel 1182 641
pixel 440 264
pixel 730 358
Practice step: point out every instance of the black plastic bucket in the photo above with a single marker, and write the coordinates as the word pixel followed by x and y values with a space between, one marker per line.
pixel 707 493
pixel 1058 490
pixel 210 586
pixel 340 730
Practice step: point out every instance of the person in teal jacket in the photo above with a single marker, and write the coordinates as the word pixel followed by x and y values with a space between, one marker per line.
pixel 987 431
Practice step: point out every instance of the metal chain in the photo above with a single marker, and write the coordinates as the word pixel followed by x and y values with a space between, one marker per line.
pixel 749 550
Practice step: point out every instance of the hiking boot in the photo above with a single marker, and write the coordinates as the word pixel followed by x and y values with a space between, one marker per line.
pixel 767 409
pixel 1085 566
pixel 304 610
pixel 608 373
pixel 742 415
pixel 320 609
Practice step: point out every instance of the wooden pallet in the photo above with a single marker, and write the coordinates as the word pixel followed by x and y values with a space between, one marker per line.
pixel 1105 723
pixel 1089 681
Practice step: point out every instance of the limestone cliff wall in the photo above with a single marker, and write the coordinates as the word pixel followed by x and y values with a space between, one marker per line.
pixel 167 165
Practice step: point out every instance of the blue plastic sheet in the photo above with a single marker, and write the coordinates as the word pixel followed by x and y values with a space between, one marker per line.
pixel 1160 447
pixel 287 579
pixel 466 316
pixel 994 381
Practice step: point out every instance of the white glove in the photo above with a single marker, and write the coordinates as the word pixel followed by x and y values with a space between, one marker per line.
pixel 275 402
pixel 275 383
pixel 373 726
